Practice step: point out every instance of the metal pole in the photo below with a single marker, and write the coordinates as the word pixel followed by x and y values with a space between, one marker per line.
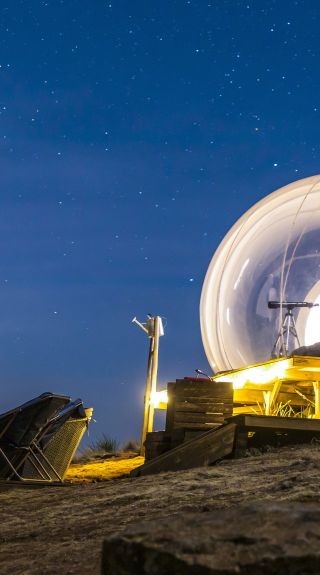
pixel 147 398
pixel 288 332
pixel 154 371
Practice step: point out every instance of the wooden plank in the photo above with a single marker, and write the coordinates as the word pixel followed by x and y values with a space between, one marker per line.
pixel 204 400
pixel 218 389
pixel 203 407
pixel 246 409
pixel 203 383
pixel 274 393
pixel 266 397
pixel 188 417
pixel 252 422
pixel 203 450
pixel 196 379
pixel 188 395
pixel 197 426
pixel 316 386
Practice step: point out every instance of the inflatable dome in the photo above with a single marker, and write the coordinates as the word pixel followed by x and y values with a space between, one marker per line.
pixel 272 253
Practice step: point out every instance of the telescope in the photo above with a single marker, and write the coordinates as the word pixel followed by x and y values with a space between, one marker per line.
pixel 290 304
pixel 288 327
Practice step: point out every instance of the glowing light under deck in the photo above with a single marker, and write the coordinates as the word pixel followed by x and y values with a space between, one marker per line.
pixel 257 374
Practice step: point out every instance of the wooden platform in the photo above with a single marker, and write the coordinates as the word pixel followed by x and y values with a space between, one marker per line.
pixel 292 381
pixel 295 368
pixel 260 388
pixel 240 408
pixel 231 439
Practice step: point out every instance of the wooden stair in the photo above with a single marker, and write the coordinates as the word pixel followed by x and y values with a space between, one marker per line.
pixel 231 439
pixel 206 449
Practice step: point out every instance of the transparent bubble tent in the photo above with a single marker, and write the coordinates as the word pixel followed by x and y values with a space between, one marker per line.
pixel 271 253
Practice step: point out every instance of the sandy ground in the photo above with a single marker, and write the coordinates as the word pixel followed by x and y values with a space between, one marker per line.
pixel 102 470
pixel 50 530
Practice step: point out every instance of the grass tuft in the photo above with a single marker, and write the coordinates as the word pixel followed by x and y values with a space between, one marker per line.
pixel 105 444
pixel 105 447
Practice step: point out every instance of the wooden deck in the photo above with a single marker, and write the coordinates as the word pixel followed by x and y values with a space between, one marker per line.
pixel 235 410
pixel 231 439
pixel 293 381
pixel 259 388
pixel 296 368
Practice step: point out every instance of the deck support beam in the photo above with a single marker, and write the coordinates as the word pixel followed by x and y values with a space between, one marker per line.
pixel 316 387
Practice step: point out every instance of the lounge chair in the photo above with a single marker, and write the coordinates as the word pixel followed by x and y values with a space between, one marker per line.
pixel 53 449
pixel 18 430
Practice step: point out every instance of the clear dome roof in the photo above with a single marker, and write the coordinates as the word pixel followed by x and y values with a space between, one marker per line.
pixel 271 253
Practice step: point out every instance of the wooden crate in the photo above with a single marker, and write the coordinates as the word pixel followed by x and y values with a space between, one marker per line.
pixel 198 404
pixel 157 443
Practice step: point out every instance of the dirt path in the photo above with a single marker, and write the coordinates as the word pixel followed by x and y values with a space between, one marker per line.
pixel 45 531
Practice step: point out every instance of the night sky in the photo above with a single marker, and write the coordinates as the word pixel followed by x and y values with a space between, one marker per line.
pixel 132 135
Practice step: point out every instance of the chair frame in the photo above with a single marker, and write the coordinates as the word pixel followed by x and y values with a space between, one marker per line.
pixel 31 450
pixel 37 457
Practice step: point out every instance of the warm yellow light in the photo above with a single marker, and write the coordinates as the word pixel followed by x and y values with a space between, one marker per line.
pixel 158 397
pixel 312 331
pixel 256 374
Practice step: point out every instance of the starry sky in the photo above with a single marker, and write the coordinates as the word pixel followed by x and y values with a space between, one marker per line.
pixel 132 135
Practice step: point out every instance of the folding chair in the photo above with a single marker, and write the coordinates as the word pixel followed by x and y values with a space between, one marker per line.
pixel 53 449
pixel 18 430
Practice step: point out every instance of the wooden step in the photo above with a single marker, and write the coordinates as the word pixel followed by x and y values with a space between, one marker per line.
pixel 205 449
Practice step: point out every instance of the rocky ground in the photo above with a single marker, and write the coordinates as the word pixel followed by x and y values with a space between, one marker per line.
pixel 49 530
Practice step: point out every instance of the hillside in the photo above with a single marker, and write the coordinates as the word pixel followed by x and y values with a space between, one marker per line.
pixel 61 529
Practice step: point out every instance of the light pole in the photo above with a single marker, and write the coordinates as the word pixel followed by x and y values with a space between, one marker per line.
pixel 154 329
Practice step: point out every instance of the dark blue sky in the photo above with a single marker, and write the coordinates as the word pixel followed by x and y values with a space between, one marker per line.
pixel 132 135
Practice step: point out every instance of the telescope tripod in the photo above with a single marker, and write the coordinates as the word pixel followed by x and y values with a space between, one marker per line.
pixel 287 329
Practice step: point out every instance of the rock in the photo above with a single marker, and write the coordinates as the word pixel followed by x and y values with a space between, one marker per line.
pixel 256 539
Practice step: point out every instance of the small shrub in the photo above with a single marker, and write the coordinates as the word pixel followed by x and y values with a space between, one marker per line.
pixel 105 444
